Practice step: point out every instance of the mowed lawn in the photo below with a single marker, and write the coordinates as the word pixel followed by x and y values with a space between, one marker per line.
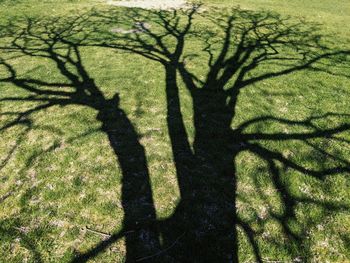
pixel 219 133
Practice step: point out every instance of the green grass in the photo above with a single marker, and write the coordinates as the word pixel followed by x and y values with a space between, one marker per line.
pixel 277 171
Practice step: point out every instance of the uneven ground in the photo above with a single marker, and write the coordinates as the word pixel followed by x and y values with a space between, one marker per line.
pixel 217 134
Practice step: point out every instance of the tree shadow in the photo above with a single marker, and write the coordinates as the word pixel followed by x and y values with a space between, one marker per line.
pixel 242 49
pixel 59 40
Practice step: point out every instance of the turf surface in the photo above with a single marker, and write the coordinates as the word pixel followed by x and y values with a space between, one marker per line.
pixel 219 133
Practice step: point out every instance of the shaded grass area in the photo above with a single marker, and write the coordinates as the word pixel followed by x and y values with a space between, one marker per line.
pixel 208 135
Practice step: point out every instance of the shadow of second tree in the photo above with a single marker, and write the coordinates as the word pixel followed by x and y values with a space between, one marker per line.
pixel 238 44
pixel 238 50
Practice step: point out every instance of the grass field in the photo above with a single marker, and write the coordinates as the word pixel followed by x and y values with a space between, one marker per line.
pixel 219 133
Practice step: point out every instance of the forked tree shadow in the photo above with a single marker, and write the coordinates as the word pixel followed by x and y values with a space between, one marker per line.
pixel 204 226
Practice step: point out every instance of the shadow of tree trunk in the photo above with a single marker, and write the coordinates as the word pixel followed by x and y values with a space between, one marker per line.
pixel 206 218
pixel 138 205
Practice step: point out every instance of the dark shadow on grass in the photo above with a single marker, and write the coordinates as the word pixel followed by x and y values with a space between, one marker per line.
pixel 59 41
pixel 240 43
pixel 242 49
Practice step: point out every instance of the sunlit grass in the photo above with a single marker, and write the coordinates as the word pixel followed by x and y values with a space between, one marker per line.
pixel 59 175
